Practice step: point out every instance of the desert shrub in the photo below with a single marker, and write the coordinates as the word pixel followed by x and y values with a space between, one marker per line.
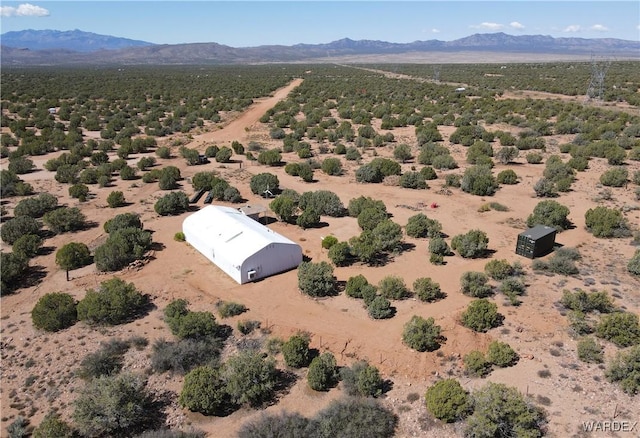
pixel 128 173
pixel 65 219
pixel 507 176
pixel 551 214
pixel 473 244
pixel 247 326
pixel 52 426
pixel 444 162
pixel 309 218
pixel 14 228
pixel 562 262
pixel 18 428
pixel 283 424
pixel 512 288
pixel 113 405
pixel 380 308
pixel 262 182
pixel 250 378
pixel 115 199
pixel 27 245
pixel 393 288
pixel 353 418
pixel 211 151
pixel 204 391
pixel 501 354
pixel 498 269
pixel 332 166
pixel 481 315
pixel 13 269
pixel 324 202
pixel 323 372
pixel 224 155
pixel 586 302
pixel 296 351
pixel 606 222
pixel 316 279
pixel 427 290
pixel 615 177
pixel 79 191
pixel 114 302
pixel 448 401
pixel 579 325
pixel 121 248
pixel 195 325
pixel 498 407
pixel 37 206
pixel 370 217
pixel 184 355
pixel 422 334
pixel 634 264
pixel 73 255
pixel 507 154
pixel 340 254
pixel 354 286
pixel 589 350
pixel 420 225
pixel 452 180
pixel 284 207
pixel 329 241
pixel 438 246
pixel 173 203
pixel 479 181
pixel 368 173
pixel 362 379
pixel 108 360
pixel 20 164
pixel 271 157
pixel 545 188
pixel 624 370
pixel 54 311
pixel 123 220
pixel 358 205
pixel 227 309
pixel 475 284
pixel 621 328
pixel 428 173
pixel 475 364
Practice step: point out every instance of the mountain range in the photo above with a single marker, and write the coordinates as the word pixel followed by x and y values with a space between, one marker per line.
pixel 52 47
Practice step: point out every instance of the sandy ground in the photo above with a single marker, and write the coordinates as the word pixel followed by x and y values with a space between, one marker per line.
pixel 572 393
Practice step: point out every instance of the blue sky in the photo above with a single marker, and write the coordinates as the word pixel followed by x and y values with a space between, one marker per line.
pixel 254 23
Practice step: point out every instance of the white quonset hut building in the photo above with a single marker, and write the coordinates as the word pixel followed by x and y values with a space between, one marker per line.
pixel 243 248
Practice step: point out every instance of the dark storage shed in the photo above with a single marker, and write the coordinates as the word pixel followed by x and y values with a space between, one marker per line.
pixel 536 241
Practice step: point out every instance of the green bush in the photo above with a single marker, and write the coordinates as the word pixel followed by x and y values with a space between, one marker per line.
pixel 324 202
pixel 108 360
pixel 551 214
pixel 478 180
pixel 473 244
pixel 392 287
pixel 184 355
pixel 123 220
pixel 352 418
pixel 73 255
pixel 438 246
pixel 113 406
pixel 358 205
pixel 499 269
pixel 323 372
pixel 27 246
pixel 354 286
pixel 586 302
pixel 475 284
pixel 380 308
pixel 229 308
pixel 634 264
pixel 475 364
pixel 282 424
pixel 624 370
pixel 589 350
pixel 250 378
pixel 481 315
pixel 448 401
pixel 54 311
pixel 420 225
pixel 340 254
pixel 204 391
pixel 362 379
pixel 194 325
pixel 507 176
pixel 224 155
pixel 615 177
pixel 15 228
pixel 316 279
pixel 115 199
pixel 64 220
pixel 501 354
pixel 52 426
pixel 37 206
pixel 422 334
pixel 332 166
pixel 79 191
pixel 14 267
pixel 606 222
pixel 264 181
pixel 296 351
pixel 115 302
pixel 329 241
pixel 621 328
pixel 498 407
pixel 173 203
pixel 271 157
pixel 428 290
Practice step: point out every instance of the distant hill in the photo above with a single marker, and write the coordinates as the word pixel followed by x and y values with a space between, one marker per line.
pixel 74 40
pixel 77 47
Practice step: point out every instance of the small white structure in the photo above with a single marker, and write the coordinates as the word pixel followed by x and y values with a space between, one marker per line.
pixel 243 248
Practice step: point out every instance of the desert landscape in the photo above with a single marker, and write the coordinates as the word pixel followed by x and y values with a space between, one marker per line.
pixel 39 369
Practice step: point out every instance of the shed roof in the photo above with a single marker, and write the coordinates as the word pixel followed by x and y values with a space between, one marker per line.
pixel 538 232
pixel 232 232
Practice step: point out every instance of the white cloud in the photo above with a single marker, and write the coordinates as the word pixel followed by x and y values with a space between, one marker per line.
pixel 487 26
pixel 572 28
pixel 434 30
pixel 599 28
pixel 24 10
pixel 516 25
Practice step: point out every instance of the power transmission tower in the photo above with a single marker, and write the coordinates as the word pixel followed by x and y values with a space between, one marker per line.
pixel 596 84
